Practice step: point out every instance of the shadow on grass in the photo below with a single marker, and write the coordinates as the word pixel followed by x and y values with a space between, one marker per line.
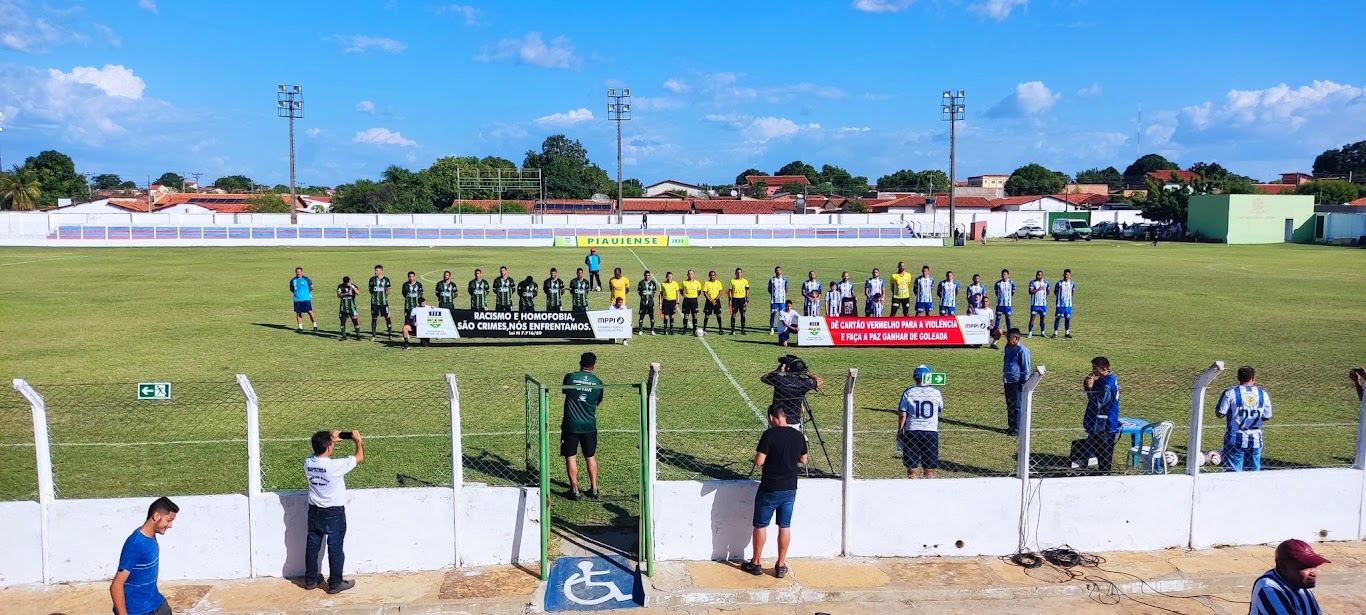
pixel 1000 430
pixel 305 331
pixel 498 467
pixel 694 465
pixel 952 466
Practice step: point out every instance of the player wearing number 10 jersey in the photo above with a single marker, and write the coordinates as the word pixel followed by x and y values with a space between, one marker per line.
pixel 918 426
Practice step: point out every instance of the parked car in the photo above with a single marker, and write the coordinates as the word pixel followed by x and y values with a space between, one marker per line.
pixel 1137 231
pixel 1071 229
pixel 1029 231
pixel 1105 230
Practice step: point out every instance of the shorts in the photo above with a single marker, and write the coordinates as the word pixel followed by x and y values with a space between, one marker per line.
pixel 477 307
pixel 738 305
pixel 690 305
pixel 163 609
pixel 904 303
pixel 948 310
pixel 1064 311
pixel 777 307
pixel 526 306
pixel 783 335
pixel 446 305
pixel 766 503
pixel 569 443
pixel 924 306
pixel 1041 310
pixel 669 308
pixel 303 307
pixel 1004 310
pixel 713 307
pixel 920 449
pixel 579 309
pixel 553 307
pixel 379 310
pixel 503 307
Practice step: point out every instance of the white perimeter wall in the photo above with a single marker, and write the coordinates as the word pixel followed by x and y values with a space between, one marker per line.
pixel 21 544
pixel 713 520
pixel 909 518
pixel 1258 507
pixel 1113 513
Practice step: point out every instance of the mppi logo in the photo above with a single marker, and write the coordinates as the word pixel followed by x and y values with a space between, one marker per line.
pixel 611 320
pixel 976 325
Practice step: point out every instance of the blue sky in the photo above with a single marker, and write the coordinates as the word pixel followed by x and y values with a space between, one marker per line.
pixel 139 87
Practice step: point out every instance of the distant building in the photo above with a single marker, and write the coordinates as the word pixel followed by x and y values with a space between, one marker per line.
pixel 1296 179
pixel 1074 188
pixel 669 185
pixel 774 182
pixel 1252 218
pixel 988 181
pixel 1032 203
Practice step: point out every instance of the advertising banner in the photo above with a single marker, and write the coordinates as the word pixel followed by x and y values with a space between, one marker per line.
pixel 434 323
pixel 620 241
pixel 600 325
pixel 902 331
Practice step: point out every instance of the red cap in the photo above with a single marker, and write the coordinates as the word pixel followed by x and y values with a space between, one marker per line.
pixel 1301 552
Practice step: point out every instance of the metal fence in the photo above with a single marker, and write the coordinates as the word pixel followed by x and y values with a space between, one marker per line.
pixel 19 480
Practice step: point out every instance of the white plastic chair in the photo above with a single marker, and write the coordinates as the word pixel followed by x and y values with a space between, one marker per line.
pixel 1148 456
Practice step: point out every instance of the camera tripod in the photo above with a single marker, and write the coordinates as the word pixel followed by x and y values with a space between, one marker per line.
pixel 811 418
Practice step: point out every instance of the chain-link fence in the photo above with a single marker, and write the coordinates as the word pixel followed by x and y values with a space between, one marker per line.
pixel 19 480
pixel 405 426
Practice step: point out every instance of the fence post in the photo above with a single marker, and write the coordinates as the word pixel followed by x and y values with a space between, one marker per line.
pixel 253 465
pixel 1026 424
pixel 1360 464
pixel 457 461
pixel 651 468
pixel 847 471
pixel 1194 440
pixel 42 449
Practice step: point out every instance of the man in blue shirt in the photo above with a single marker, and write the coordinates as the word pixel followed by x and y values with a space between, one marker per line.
pixel 1246 407
pixel 302 288
pixel 1014 373
pixel 134 589
pixel 1288 588
pixel 594 263
pixel 1101 419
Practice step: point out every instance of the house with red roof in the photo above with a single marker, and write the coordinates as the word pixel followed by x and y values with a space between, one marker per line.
pixel 774 182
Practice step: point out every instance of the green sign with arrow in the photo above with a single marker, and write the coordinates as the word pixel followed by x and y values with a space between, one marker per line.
pixel 937 379
pixel 154 390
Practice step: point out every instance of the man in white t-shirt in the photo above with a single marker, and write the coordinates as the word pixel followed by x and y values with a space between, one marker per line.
pixel 326 476
pixel 787 320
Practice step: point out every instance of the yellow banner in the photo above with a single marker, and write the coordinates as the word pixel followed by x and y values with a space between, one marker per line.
pixel 624 241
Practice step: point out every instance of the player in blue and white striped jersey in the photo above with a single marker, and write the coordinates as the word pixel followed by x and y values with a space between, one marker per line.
pixel 848 301
pixel 1063 291
pixel 777 293
pixel 1246 407
pixel 833 299
pixel 924 292
pixel 948 295
pixel 1005 299
pixel 1038 304
pixel 976 288
pixel 918 425
pixel 875 292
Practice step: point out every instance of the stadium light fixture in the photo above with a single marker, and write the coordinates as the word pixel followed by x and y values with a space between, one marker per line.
pixel 289 103
pixel 619 110
pixel 952 110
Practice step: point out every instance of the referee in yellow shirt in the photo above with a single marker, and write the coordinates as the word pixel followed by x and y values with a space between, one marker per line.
pixel 901 290
pixel 668 295
pixel 739 299
pixel 712 290
pixel 691 289
pixel 619 284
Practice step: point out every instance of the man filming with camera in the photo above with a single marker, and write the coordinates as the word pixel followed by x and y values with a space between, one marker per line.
pixel 326 477
pixel 791 382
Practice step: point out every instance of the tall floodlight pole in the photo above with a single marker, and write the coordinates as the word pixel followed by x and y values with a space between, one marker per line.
pixel 951 110
pixel 619 110
pixel 290 103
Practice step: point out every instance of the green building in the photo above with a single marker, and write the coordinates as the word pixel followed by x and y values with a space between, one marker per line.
pixel 1252 218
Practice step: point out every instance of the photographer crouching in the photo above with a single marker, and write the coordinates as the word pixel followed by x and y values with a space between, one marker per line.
pixel 326 476
pixel 791 382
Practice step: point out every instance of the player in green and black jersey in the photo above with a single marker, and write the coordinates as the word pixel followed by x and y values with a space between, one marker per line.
pixel 379 300
pixel 553 287
pixel 579 287
pixel 648 289
pixel 446 291
pixel 411 290
pixel 346 295
pixel 526 295
pixel 504 287
pixel 579 427
pixel 479 290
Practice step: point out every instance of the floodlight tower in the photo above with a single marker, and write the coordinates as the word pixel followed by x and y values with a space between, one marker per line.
pixel 951 110
pixel 619 110
pixel 289 102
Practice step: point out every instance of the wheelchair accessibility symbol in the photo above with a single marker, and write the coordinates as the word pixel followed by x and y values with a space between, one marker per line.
pixel 592 584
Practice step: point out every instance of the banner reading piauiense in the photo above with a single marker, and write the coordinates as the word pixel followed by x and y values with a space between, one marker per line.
pixel 906 331
pixel 601 325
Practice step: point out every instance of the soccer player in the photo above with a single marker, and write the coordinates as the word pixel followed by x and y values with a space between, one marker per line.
pixel 411 290
pixel 918 425
pixel 134 588
pixel 446 291
pixel 479 290
pixel 527 290
pixel 901 290
pixel 668 298
pixel 554 291
pixel 812 291
pixel 948 295
pixel 1038 303
pixel 977 288
pixel 739 299
pixel 711 290
pixel 1005 297
pixel 787 319
pixel 924 292
pixel 579 288
pixel 410 323
pixel 1246 407
pixel 874 289
pixel 504 287
pixel 691 289
pixel 833 300
pixel 379 301
pixel 777 297
pixel 302 288
pixel 346 295
pixel 848 301
pixel 1064 290
pixel 619 285
pixel 594 263
pixel 648 289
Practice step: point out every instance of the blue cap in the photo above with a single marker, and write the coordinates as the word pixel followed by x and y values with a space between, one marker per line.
pixel 921 372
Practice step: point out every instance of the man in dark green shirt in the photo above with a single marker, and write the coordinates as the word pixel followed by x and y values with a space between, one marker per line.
pixel 648 289
pixel 553 287
pixel 504 287
pixel 446 291
pixel 346 296
pixel 411 290
pixel 379 301
pixel 582 395
pixel 479 292
pixel 526 295
pixel 579 287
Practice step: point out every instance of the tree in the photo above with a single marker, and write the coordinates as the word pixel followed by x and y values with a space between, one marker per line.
pixel 741 178
pixel 107 181
pixel 20 189
pixel 1168 200
pixel 268 204
pixel 797 167
pixel 1146 164
pixel 631 187
pixel 856 206
pixel 171 180
pixel 56 174
pixel 792 188
pixel 280 189
pixel 566 170
pixel 234 183
pixel 128 185
pixel 1330 191
pixel 1109 176
pixel 906 180
pixel 1034 179
pixel 759 189
pixel 844 183
pixel 1223 180
pixel 1349 160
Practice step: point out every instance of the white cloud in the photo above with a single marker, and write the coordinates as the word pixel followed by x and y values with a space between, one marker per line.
pixel 804 89
pixel 1161 125
pixel 1029 99
pixel 1090 91
pixel 365 106
pixel 764 129
pixel 469 13
pixel 733 119
pixel 1279 108
pixel 996 9
pixel 382 136
pixel 148 5
pixel 110 36
pixel 676 86
pixel 569 118
pixel 360 43
pixel 646 103
pixel 20 32
pixel 854 129
pixel 313 133
pixel 534 51
pixel 114 80
pixel 882 6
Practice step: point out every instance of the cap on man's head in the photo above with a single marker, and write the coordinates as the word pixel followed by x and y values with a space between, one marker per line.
pixel 921 372
pixel 1300 552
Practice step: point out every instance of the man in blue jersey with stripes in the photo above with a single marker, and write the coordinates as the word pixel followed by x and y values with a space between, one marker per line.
pixel 948 295
pixel 924 292
pixel 918 425
pixel 1038 304
pixel 134 589
pixel 875 292
pixel 777 297
pixel 812 291
pixel 1288 588
pixel 1064 290
pixel 1246 407
pixel 1005 300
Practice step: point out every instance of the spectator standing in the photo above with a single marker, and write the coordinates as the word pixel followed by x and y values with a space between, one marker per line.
pixel 1101 419
pixel 1246 407
pixel 779 453
pixel 326 476
pixel 1014 373
pixel 918 425
pixel 579 428
pixel 1288 589
pixel 134 589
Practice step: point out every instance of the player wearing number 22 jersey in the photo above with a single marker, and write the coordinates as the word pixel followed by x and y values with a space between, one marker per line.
pixel 919 425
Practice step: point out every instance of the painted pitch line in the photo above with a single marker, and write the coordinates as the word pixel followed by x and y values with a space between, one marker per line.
pixel 55 258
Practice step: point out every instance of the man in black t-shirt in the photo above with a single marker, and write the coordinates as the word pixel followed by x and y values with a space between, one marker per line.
pixel 790 387
pixel 779 452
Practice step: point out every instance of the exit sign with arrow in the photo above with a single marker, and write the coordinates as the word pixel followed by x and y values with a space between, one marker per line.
pixel 937 379
pixel 154 390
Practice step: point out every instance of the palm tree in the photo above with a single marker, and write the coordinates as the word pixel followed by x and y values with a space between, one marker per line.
pixel 19 189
